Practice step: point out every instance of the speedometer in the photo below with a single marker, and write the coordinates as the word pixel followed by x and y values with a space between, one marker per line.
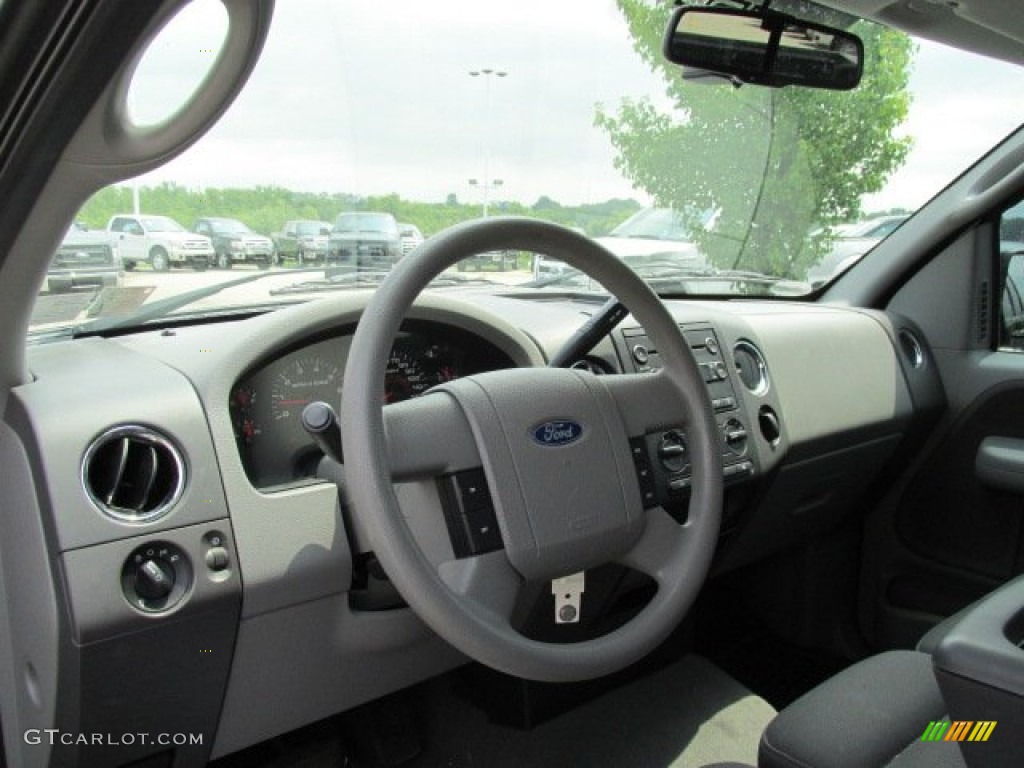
pixel 302 381
pixel 266 404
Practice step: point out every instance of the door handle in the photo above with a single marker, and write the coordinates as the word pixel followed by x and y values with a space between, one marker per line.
pixel 999 464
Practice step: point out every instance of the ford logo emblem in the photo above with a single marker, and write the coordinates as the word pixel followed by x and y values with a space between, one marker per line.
pixel 559 432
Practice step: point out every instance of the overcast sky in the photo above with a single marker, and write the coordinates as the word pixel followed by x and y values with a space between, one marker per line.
pixel 371 98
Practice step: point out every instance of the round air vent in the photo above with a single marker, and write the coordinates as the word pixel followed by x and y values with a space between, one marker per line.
pixel 911 348
pixel 595 365
pixel 751 367
pixel 133 474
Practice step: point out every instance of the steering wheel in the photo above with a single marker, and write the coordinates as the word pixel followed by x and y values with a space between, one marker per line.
pixel 554 445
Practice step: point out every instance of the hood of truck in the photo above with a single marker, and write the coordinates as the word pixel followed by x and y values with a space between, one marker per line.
pixel 630 247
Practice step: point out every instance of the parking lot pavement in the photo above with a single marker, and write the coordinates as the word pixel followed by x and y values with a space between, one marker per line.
pixel 173 282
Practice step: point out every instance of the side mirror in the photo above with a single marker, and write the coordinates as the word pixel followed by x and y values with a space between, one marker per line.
pixel 763 47
pixel 325 231
pixel 1012 309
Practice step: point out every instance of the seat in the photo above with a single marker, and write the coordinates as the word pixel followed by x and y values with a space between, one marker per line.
pixel 875 712
pixel 869 715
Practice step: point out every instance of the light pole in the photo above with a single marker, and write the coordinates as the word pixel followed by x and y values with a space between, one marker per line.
pixel 487 185
pixel 487 74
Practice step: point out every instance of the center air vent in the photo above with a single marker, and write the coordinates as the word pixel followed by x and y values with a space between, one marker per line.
pixel 133 474
pixel 594 365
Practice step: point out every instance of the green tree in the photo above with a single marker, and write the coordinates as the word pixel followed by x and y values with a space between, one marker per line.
pixel 774 163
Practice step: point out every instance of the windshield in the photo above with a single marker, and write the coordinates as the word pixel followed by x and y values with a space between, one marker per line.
pixel 566 112
pixel 365 222
pixel 229 227
pixel 311 227
pixel 161 224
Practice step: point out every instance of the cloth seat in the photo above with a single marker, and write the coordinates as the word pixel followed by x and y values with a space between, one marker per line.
pixel 871 714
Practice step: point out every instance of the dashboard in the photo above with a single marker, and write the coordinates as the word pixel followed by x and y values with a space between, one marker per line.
pixel 266 561
pixel 267 402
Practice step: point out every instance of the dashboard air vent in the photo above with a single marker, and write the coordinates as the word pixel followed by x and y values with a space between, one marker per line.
pixel 751 367
pixel 912 349
pixel 133 474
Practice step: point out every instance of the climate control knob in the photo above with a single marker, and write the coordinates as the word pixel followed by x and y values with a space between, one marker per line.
pixel 735 435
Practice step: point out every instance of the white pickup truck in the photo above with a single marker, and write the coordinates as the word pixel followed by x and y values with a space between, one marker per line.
pixel 159 241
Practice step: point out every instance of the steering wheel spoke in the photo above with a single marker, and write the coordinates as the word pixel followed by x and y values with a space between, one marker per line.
pixel 428 436
pixel 661 541
pixel 648 402
pixel 488 582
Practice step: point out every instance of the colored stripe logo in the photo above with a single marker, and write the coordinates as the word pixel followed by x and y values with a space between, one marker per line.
pixel 958 730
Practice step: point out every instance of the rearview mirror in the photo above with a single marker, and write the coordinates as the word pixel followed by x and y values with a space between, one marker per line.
pixel 764 48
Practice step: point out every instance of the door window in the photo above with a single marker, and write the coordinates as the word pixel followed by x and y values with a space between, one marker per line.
pixel 1011 255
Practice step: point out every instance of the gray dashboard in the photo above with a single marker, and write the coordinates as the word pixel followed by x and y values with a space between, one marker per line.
pixel 812 402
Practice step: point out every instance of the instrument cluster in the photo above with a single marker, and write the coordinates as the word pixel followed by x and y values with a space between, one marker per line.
pixel 266 404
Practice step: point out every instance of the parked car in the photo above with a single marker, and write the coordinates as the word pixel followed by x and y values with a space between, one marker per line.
pixel 364 239
pixel 654 234
pixel 648 238
pixel 304 240
pixel 411 237
pixel 159 241
pixel 494 261
pixel 234 243
pixel 850 242
pixel 85 257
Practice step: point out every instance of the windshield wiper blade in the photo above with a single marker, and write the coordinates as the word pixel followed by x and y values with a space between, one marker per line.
pixel 659 238
pixel 162 307
pixel 707 274
pixel 338 281
pixel 349 280
pixel 773 285
pixel 659 273
pixel 559 279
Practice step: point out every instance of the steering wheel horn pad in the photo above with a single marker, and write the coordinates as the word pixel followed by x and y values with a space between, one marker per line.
pixel 564 502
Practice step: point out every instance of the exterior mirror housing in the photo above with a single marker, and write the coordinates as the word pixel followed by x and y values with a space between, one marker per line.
pixel 763 47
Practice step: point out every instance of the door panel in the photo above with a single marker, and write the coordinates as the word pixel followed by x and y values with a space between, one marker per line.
pixel 954 519
pixel 945 536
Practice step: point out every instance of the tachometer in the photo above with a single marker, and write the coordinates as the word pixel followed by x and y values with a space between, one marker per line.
pixel 404 377
pixel 302 381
